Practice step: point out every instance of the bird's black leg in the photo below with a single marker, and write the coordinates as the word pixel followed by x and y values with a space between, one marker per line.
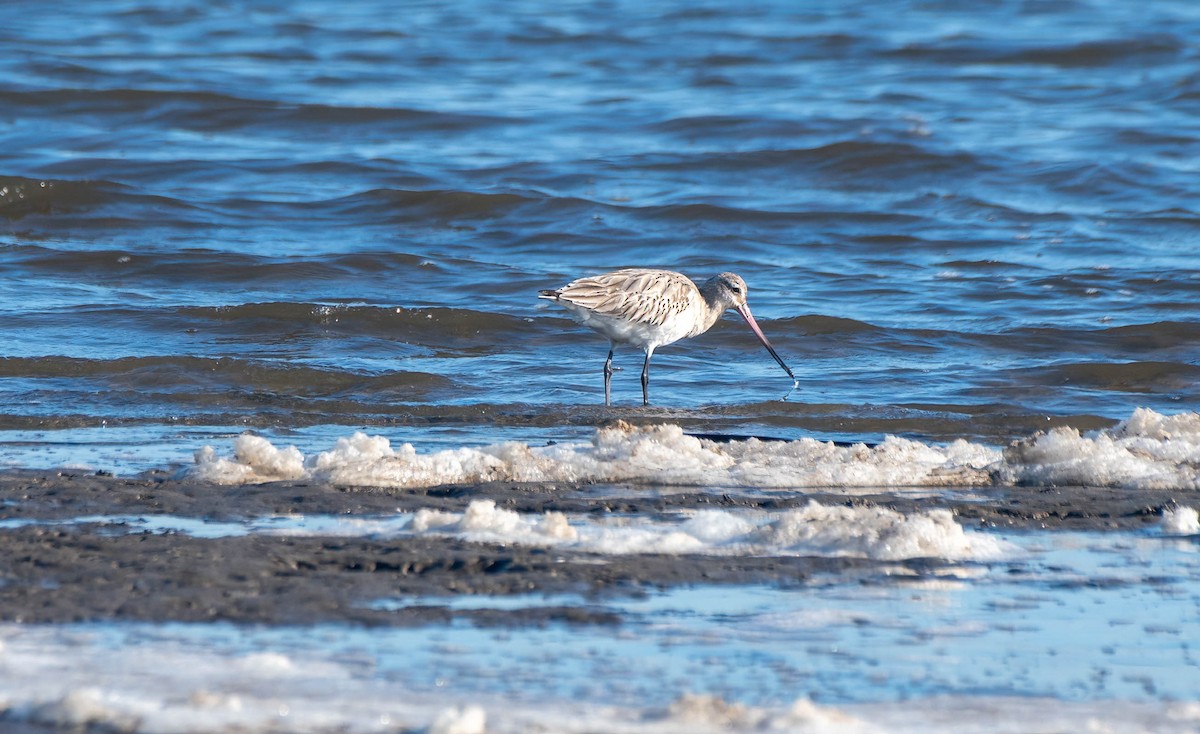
pixel 608 370
pixel 646 378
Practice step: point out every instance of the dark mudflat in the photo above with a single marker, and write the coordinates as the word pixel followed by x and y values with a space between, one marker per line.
pixel 81 571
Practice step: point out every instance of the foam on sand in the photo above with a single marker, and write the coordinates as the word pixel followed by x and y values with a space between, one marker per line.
pixel 815 530
pixel 661 454
pixel 1148 450
pixel 1181 521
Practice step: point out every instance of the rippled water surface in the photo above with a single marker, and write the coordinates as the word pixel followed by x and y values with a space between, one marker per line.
pixel 956 220
pixel 953 222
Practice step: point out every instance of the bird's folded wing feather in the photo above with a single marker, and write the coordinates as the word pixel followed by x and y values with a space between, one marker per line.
pixel 642 296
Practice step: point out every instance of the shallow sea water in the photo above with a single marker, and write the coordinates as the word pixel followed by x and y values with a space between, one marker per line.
pixel 311 218
pixel 860 655
pixel 953 223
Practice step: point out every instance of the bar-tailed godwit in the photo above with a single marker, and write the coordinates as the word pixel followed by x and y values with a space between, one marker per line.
pixel 652 308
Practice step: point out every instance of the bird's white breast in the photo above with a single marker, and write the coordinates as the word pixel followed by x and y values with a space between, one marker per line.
pixel 638 333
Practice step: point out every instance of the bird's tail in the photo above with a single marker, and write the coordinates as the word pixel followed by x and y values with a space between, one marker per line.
pixel 549 295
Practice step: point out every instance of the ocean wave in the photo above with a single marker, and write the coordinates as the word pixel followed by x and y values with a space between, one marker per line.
pixel 813 324
pixel 1145 338
pixel 1152 48
pixel 20 197
pixel 440 327
pixel 209 267
pixel 389 204
pixel 694 213
pixel 1135 377
pixel 217 112
pixel 184 374
pixel 563 219
pixel 857 158
pixel 720 128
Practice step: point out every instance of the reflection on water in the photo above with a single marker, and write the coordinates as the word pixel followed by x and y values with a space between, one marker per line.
pixel 1084 617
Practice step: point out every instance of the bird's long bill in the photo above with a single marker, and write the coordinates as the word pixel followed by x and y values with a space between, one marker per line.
pixel 744 310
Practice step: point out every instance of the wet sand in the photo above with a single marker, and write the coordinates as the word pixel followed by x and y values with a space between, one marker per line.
pixel 71 573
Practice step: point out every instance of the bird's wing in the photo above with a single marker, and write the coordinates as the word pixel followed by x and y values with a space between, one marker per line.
pixel 636 295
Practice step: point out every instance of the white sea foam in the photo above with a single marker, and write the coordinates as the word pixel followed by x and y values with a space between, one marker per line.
pixel 708 712
pixel 1148 450
pixel 812 530
pixel 1181 521
pixel 254 460
pixel 815 529
pixel 662 455
pixel 465 720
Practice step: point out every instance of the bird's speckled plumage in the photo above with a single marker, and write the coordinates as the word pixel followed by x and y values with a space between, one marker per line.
pixel 651 308
pixel 638 306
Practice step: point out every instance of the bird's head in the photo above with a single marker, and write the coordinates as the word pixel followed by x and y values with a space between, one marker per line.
pixel 730 291
pixel 729 288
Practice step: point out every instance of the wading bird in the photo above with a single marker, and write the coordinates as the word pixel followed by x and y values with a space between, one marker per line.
pixel 652 308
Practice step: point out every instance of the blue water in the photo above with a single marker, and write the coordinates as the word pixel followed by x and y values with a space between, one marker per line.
pixel 952 221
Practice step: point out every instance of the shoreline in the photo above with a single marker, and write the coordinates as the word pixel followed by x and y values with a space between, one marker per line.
pixel 63 573
pixel 59 495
